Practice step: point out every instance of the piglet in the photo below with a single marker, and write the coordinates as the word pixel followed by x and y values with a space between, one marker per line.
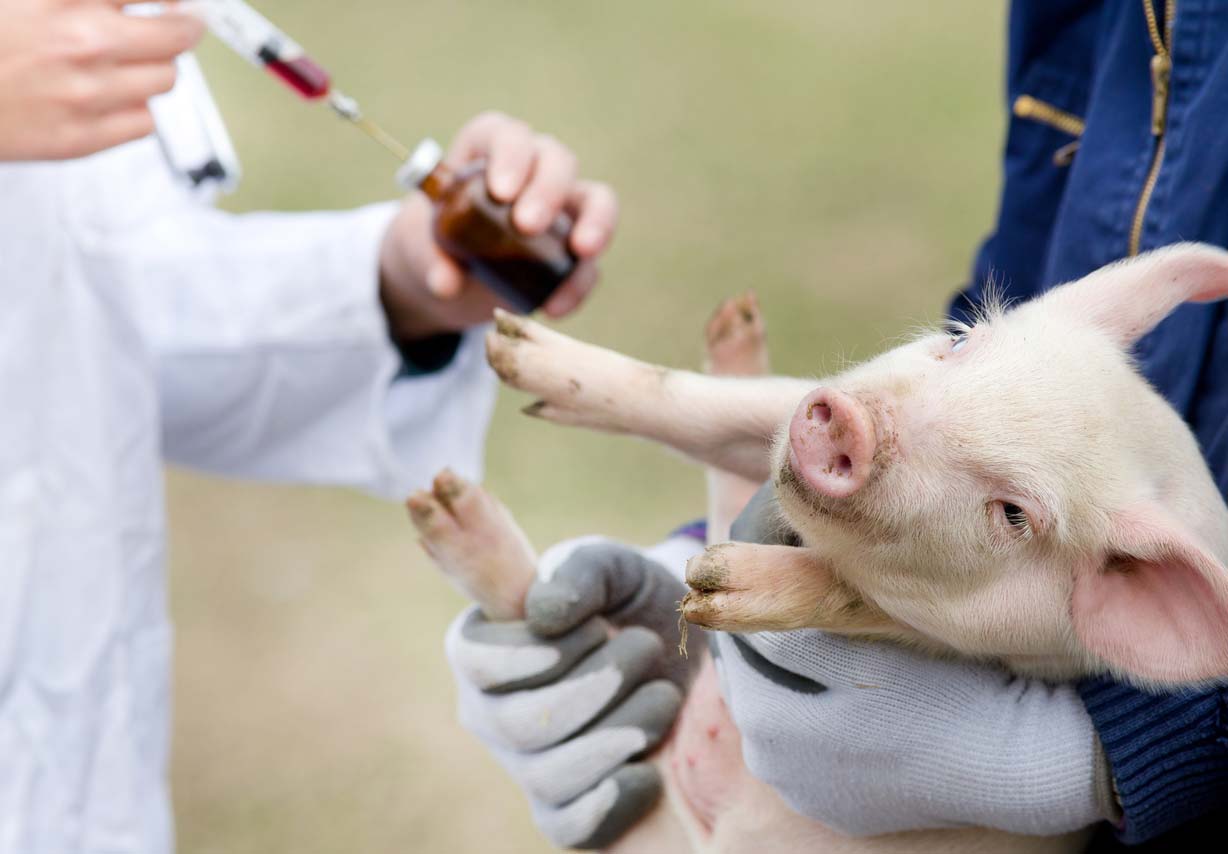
pixel 712 803
pixel 1012 491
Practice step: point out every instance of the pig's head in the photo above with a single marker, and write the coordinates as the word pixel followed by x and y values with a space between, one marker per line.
pixel 1016 490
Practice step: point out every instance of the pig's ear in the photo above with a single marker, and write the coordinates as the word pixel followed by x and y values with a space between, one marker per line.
pixel 1129 298
pixel 1156 606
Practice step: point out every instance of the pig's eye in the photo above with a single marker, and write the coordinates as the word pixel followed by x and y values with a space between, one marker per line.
pixel 1013 518
pixel 958 334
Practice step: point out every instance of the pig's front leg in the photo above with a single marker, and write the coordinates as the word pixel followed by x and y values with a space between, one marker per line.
pixel 727 422
pixel 741 587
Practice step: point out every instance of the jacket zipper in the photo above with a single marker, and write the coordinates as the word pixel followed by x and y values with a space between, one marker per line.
pixel 1161 74
pixel 1027 107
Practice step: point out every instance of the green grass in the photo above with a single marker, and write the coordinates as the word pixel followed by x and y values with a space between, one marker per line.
pixel 840 159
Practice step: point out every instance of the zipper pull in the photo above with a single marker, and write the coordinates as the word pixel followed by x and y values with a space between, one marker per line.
pixel 1161 74
pixel 1065 155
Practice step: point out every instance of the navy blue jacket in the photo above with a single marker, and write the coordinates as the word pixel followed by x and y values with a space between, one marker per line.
pixel 1089 180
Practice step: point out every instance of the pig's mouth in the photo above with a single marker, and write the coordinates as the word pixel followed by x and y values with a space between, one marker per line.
pixel 791 484
pixel 800 504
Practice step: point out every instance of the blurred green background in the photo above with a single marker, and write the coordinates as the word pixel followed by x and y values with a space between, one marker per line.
pixel 839 158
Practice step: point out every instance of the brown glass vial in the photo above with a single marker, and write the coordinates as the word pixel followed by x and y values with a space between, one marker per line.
pixel 478 231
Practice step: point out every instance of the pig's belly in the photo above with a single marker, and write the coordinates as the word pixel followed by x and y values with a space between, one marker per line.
pixel 725 809
pixel 704 755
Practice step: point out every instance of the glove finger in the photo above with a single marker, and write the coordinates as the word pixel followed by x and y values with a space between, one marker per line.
pixel 500 657
pixel 537 718
pixel 633 728
pixel 762 522
pixel 609 579
pixel 596 819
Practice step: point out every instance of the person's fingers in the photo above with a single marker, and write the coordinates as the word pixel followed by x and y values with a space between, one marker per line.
pixel 597 819
pixel 537 718
pixel 634 728
pixel 125 126
pixel 574 291
pixel 117 4
pixel 618 583
pixel 130 86
pixel 506 656
pixel 607 579
pixel 651 708
pixel 157 39
pixel 594 208
pixel 107 131
pixel 472 141
pixel 552 176
pixel 509 162
pixel 594 580
pixel 507 146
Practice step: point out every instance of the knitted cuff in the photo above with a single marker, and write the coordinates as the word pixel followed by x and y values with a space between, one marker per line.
pixel 1168 753
pixel 427 355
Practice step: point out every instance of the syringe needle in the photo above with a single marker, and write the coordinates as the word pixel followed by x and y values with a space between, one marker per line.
pixel 377 133
pixel 346 107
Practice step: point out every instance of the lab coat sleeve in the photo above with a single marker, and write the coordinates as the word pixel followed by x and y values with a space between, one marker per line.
pixel 273 357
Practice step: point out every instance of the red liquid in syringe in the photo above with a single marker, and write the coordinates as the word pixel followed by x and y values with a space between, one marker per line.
pixel 301 74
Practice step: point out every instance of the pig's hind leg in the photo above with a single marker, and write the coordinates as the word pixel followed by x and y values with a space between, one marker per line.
pixel 727 422
pixel 736 345
pixel 476 543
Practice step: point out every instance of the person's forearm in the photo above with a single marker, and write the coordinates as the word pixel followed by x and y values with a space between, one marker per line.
pixel 273 354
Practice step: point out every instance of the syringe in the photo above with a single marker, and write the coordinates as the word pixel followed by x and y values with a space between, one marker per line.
pixel 253 36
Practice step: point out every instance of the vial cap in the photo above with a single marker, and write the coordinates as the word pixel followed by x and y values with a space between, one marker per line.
pixel 421 162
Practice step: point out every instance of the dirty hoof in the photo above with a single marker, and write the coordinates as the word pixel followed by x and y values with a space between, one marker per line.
pixel 736 338
pixel 476 542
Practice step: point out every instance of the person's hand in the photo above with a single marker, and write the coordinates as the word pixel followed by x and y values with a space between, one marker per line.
pixel 873 738
pixel 76 75
pixel 566 706
pixel 425 292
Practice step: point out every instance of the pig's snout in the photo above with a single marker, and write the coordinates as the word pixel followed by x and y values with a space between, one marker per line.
pixel 832 441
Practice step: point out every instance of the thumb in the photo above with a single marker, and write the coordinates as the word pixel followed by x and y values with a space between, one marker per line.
pixel 608 579
pixel 445 279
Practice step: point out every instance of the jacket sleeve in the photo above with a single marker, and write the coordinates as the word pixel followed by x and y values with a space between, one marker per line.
pixel 272 354
pixel 1168 753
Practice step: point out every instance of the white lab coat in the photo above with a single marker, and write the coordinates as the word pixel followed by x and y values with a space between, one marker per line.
pixel 136 325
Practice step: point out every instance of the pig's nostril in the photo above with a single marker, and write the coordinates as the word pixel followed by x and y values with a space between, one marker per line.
pixel 820 411
pixel 844 465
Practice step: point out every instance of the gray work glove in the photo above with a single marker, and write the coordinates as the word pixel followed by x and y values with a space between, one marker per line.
pixel 873 738
pixel 568 706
